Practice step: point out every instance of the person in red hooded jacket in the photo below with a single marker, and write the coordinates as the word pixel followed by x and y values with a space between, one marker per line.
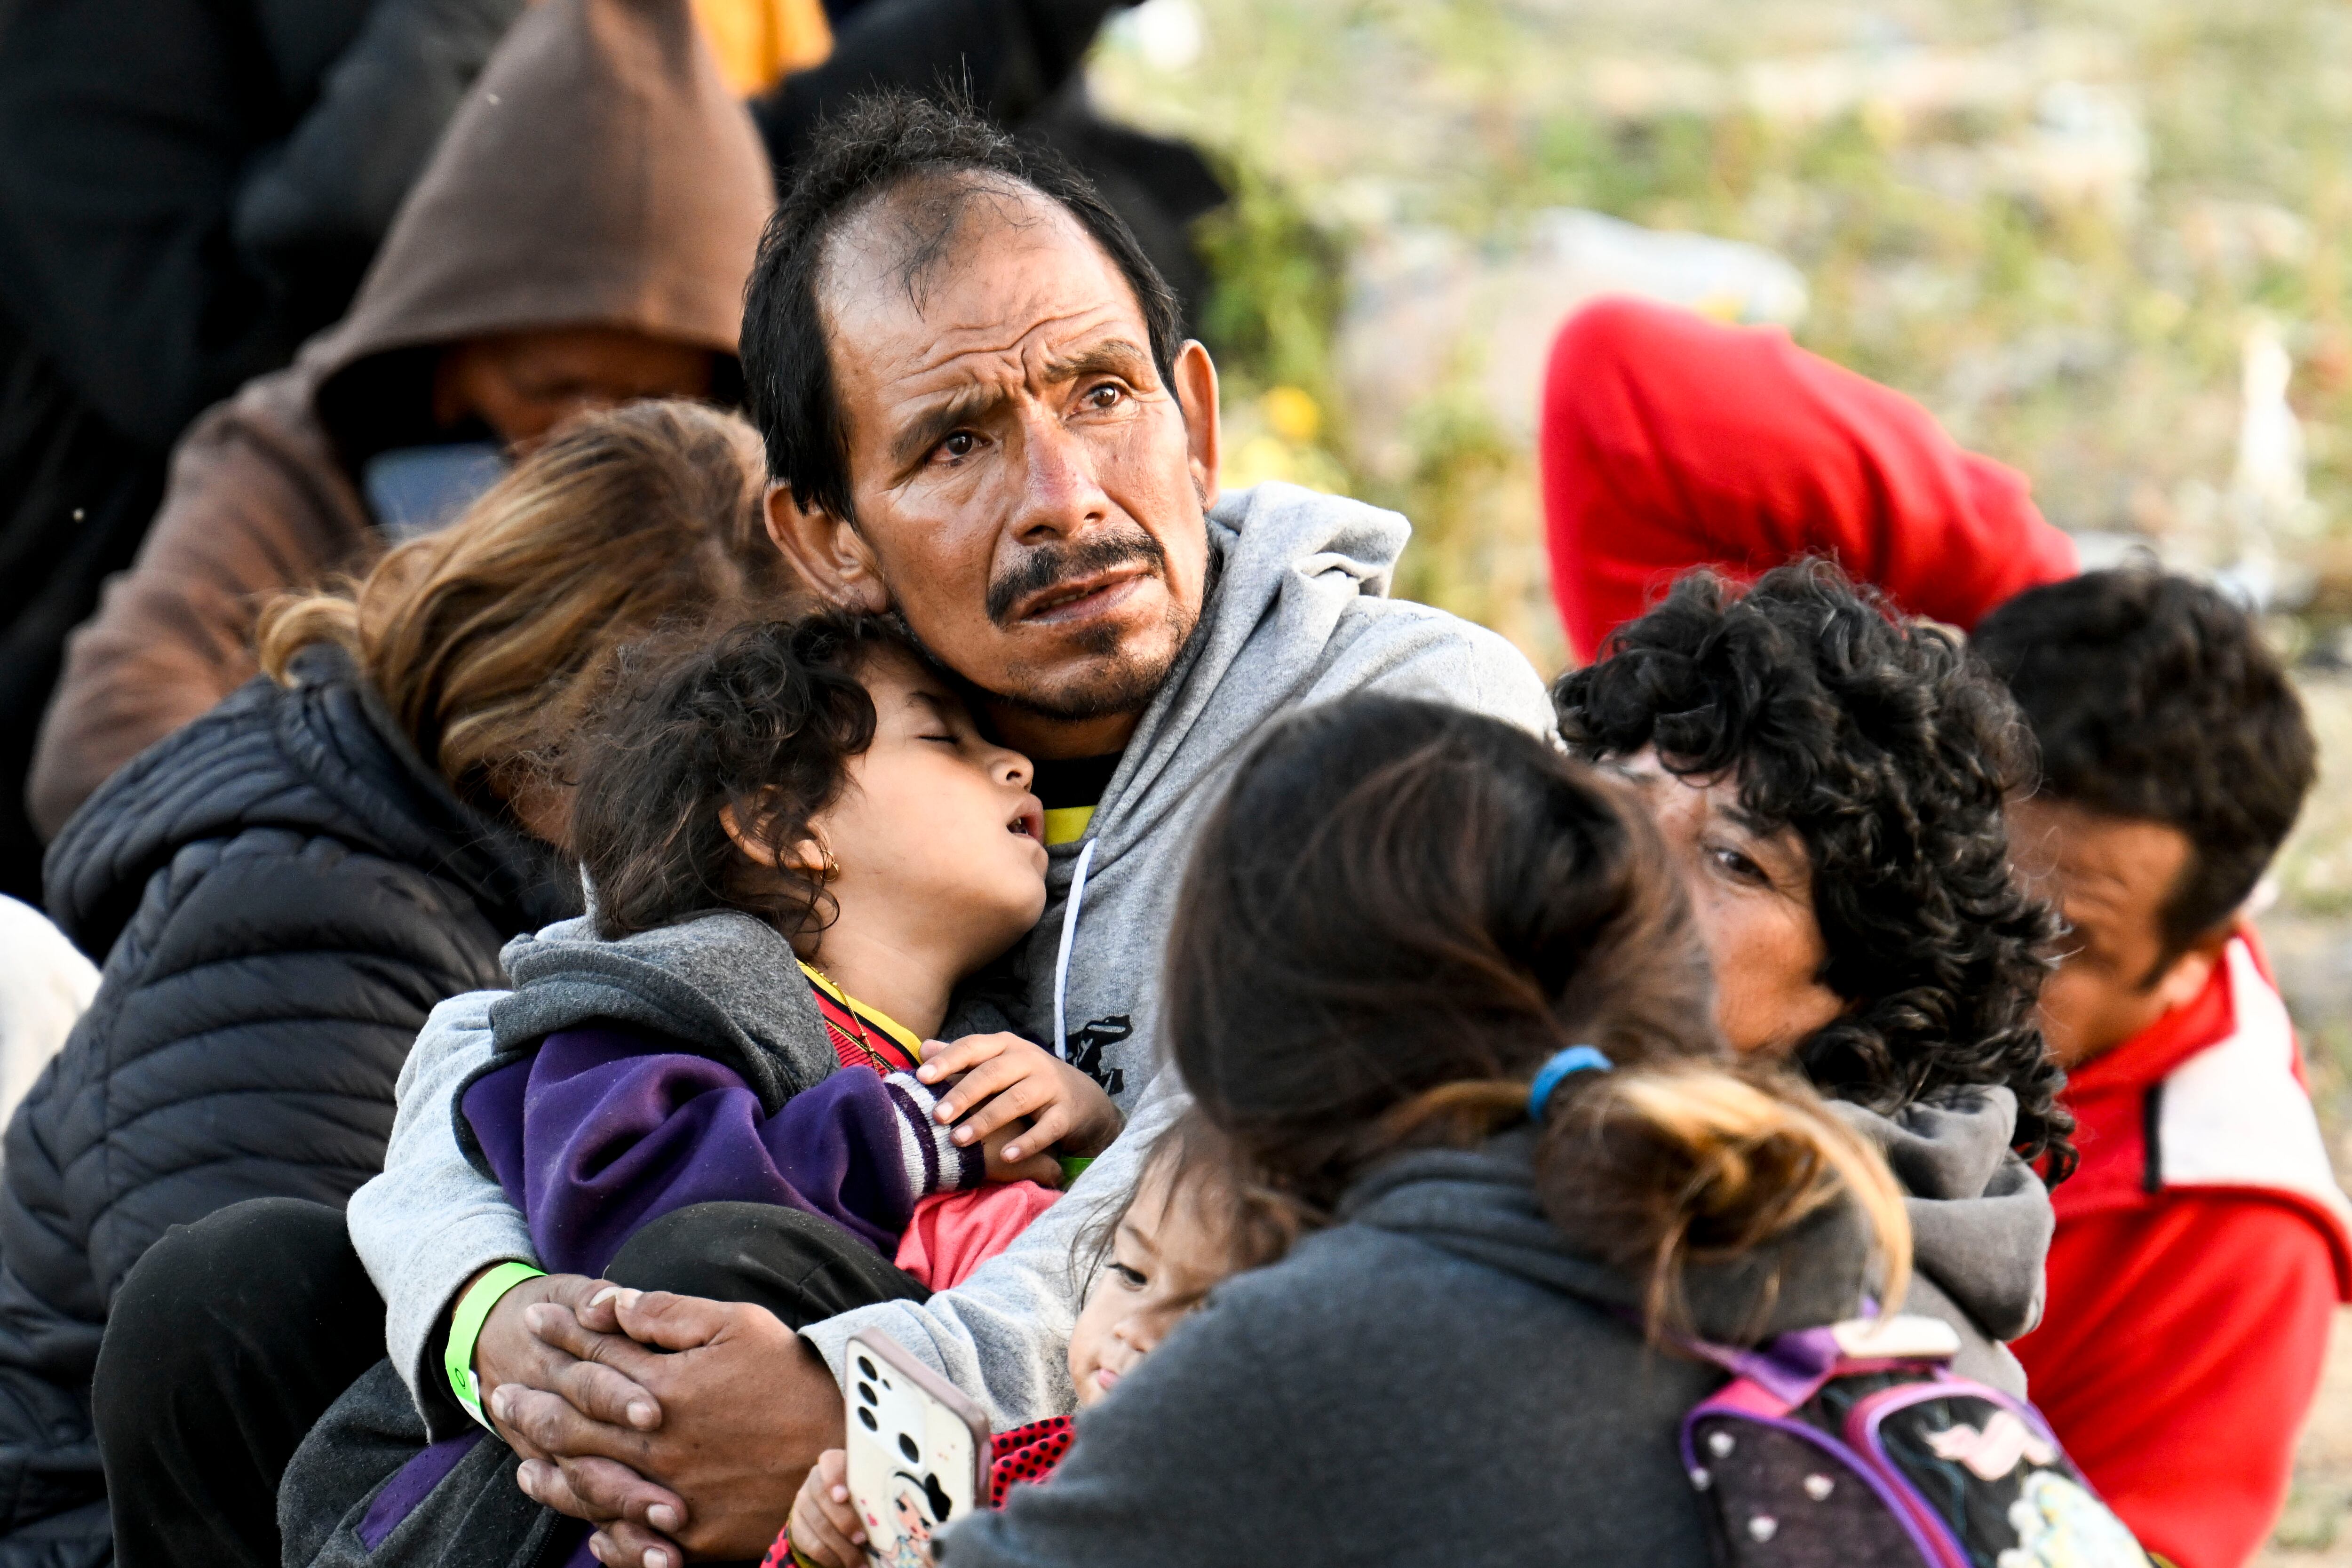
pixel 1669 442
pixel 2202 1245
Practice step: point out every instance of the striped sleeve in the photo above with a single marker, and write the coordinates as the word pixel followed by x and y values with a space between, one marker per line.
pixel 935 1162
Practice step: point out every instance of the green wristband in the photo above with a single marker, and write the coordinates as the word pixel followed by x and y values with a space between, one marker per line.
pixel 466 1327
pixel 1074 1166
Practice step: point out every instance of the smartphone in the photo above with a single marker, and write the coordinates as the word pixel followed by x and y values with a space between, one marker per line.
pixel 917 1451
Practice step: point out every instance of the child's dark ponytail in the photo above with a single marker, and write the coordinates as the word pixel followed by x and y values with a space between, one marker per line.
pixel 1402 912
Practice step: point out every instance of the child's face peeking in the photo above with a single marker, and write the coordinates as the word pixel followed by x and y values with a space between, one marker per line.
pixel 1164 1259
pixel 936 846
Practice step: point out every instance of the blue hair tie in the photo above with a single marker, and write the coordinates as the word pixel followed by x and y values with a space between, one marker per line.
pixel 1575 1060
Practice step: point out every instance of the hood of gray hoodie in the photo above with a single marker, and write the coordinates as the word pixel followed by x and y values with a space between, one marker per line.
pixel 1298 613
pixel 722 985
pixel 1980 1218
pixel 1480 1205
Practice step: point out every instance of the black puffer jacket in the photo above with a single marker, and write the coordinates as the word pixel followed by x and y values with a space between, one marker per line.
pixel 284 890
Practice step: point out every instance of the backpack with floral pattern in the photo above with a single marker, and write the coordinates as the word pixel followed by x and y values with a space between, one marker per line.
pixel 1855 1444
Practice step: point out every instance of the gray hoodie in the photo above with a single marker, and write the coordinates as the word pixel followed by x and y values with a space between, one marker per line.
pixel 1298 613
pixel 1980 1222
pixel 725 984
pixel 1438 1377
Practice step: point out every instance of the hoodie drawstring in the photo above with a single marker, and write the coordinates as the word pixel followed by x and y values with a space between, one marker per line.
pixel 1062 959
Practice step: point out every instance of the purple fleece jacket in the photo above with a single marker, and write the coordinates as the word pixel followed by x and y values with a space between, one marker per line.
pixel 601 1130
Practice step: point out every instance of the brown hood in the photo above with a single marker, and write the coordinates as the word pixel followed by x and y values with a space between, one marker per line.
pixel 599 172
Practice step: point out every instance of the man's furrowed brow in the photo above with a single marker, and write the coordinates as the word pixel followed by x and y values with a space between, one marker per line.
pixel 934 425
pixel 1115 357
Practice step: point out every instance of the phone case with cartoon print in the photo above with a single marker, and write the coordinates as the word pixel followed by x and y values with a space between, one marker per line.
pixel 917 1451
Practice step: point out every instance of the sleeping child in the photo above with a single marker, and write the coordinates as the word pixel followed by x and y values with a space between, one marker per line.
pixel 803 800
pixel 797 846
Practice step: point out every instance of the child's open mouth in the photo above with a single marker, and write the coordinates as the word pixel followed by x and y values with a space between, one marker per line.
pixel 1029 821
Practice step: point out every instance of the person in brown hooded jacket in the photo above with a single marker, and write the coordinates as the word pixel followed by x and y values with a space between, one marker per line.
pixel 581 238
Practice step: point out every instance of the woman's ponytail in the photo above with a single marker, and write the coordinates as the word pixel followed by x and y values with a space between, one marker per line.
pixel 1656 1167
pixel 1404 914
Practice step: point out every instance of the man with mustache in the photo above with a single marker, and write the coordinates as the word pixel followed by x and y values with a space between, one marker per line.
pixel 980 416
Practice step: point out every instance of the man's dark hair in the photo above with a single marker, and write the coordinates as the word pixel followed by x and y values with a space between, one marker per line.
pixel 2154 698
pixel 935 159
pixel 762 723
pixel 1892 757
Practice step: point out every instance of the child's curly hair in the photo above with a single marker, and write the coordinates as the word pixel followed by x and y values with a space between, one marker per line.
pixel 1892 755
pixel 760 725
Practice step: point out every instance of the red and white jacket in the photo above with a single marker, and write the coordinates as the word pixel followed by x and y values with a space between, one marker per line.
pixel 2201 1249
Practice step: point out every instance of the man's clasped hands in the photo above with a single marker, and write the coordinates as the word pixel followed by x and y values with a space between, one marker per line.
pixel 681 1426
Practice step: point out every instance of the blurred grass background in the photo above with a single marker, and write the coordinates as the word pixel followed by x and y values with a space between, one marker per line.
pixel 2059 224
pixel 2052 223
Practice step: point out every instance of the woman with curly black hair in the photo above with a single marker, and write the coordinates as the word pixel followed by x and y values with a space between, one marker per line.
pixel 1832 783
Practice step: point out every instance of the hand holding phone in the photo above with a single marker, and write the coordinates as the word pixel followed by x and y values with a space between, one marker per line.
pixel 825 1529
pixel 917 1456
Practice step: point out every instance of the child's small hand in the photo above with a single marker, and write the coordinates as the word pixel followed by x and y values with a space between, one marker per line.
pixel 1004 1078
pixel 1037 1164
pixel 825 1527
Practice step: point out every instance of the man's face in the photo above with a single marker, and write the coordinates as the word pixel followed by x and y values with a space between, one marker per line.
pixel 523 384
pixel 2109 877
pixel 1027 492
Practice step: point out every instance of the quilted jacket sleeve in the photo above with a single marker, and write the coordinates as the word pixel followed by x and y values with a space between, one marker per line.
pixel 244 1043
